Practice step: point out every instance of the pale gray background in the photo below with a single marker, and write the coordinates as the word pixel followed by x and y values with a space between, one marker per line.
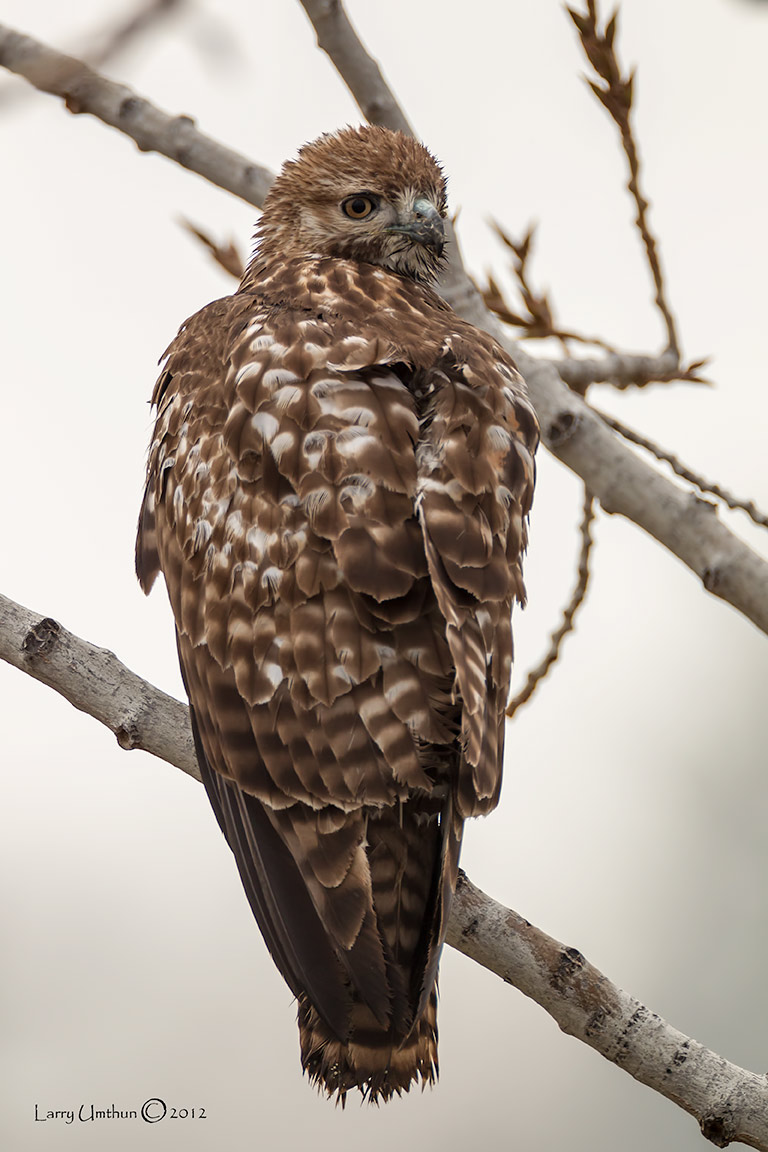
pixel 633 818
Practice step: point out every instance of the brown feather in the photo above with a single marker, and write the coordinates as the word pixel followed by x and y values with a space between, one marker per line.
pixel 337 490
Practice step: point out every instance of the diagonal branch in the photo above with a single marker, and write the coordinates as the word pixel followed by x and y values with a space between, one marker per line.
pixel 729 1102
pixel 680 520
pixel 337 37
pixel 84 90
pixel 94 681
pixel 680 469
pixel 110 43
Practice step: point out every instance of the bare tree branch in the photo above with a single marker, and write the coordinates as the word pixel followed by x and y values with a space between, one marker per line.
pixel 84 90
pixel 538 323
pixel 616 368
pixel 615 94
pixel 686 473
pixel 112 41
pixel 126 30
pixel 729 1102
pixel 682 521
pixel 619 479
pixel 227 256
pixel 626 369
pixel 537 674
pixel 362 75
pixel 95 682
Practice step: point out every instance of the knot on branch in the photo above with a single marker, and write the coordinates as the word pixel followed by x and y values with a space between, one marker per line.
pixel 718 1128
pixel 41 639
pixel 184 139
pixel 127 735
pixel 712 577
pixel 130 106
pixel 562 428
pixel 570 963
pixel 74 103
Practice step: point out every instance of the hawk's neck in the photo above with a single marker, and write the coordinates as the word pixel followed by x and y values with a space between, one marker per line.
pixel 316 282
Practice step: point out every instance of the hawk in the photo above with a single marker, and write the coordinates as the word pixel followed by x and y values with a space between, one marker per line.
pixel 337 494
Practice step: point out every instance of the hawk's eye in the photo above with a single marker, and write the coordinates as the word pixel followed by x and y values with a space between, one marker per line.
pixel 358 207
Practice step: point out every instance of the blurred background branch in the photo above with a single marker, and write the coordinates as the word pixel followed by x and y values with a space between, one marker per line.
pixel 106 45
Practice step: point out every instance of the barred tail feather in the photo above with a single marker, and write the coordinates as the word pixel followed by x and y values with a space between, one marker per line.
pixel 372 1061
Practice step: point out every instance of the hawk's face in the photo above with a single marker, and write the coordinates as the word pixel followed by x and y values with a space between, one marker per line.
pixel 403 232
pixel 360 194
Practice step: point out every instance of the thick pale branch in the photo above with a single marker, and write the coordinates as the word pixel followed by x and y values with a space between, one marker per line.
pixel 95 682
pixel 730 1103
pixel 680 520
pixel 103 47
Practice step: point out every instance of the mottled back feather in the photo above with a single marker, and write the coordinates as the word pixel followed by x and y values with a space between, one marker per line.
pixel 337 494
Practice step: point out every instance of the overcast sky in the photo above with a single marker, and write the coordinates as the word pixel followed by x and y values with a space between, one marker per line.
pixel 632 823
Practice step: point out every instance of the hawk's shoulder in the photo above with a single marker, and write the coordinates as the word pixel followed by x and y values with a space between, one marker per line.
pixel 193 368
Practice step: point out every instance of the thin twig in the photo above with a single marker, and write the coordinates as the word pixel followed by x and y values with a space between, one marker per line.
pixel 539 323
pixel 537 674
pixel 129 28
pixel 730 1103
pixel 616 98
pixel 615 368
pixel 684 472
pixel 227 256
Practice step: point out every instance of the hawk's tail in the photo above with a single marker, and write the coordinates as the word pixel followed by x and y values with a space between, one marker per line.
pixel 373 1061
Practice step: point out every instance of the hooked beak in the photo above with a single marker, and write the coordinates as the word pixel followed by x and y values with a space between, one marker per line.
pixel 424 225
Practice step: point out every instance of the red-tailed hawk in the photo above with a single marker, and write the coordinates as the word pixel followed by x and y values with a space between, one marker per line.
pixel 337 494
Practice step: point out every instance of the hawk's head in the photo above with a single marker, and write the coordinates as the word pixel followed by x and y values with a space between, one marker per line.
pixel 364 194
